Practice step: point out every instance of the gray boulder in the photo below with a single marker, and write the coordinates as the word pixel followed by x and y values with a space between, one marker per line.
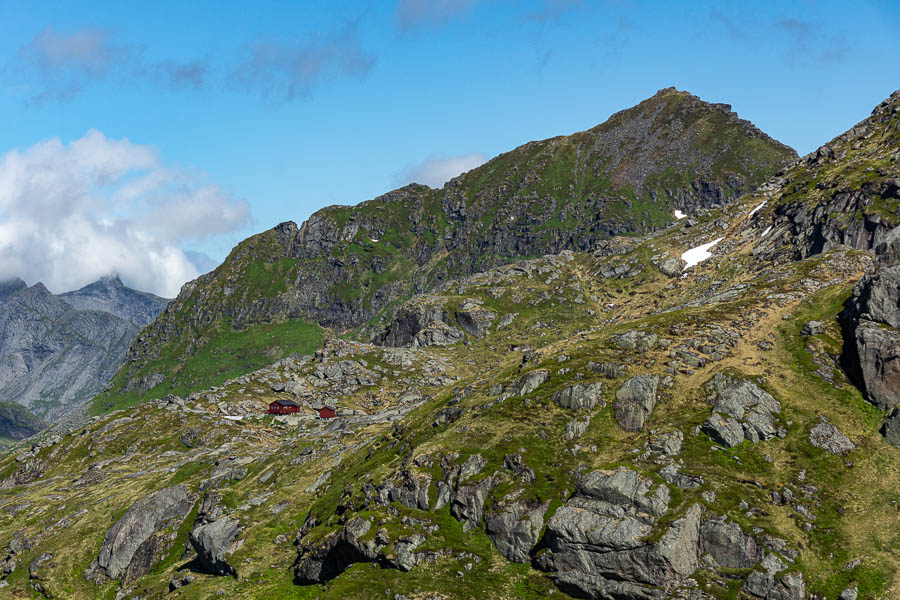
pixel 608 370
pixel 891 429
pixel 849 594
pixel 813 328
pixel 635 340
pixel 826 436
pixel 474 319
pixel 517 528
pixel 635 401
pixel 467 505
pixel 581 396
pixel 133 544
pixel 740 404
pixel 576 428
pixel 213 541
pixel 597 541
pixel 724 541
pixel 672 266
pixel 724 430
pixel 529 382
pixel 668 443
pixel 766 584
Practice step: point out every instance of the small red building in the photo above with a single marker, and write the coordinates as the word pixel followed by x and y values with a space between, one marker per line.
pixel 283 407
pixel 327 412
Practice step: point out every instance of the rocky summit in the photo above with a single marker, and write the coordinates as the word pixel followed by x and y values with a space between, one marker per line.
pixel 535 382
pixel 58 351
pixel 349 269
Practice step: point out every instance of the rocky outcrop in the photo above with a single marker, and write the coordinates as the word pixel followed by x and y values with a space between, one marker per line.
pixel 635 401
pixel 891 428
pixel 872 325
pixel 581 396
pixel 727 545
pixel 840 195
pixel 597 541
pixel 576 428
pixel 768 584
pixel 528 382
pixel 332 555
pixel 826 436
pixel 741 411
pixel 420 324
pixel 213 542
pixel 474 319
pixel 517 528
pixel 635 340
pixel 136 541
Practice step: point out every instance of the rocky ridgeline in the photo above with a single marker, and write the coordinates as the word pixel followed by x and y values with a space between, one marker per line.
pixel 58 351
pixel 843 194
pixel 350 267
pixel 601 424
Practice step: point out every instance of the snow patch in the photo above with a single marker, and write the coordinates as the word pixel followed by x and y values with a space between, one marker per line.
pixel 679 215
pixel 373 240
pixel 234 418
pixel 753 212
pixel 768 229
pixel 697 255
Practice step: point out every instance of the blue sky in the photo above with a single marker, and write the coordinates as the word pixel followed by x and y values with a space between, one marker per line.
pixel 242 115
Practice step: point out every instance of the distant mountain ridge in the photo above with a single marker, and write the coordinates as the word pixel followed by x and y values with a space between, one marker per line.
pixel 109 294
pixel 58 351
pixel 348 268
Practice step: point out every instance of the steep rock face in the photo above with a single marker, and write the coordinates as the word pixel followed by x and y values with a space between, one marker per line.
pixel 58 351
pixel 845 193
pixel 348 267
pixel 872 324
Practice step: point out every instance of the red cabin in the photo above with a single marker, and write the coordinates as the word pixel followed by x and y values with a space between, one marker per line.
pixel 327 412
pixel 283 407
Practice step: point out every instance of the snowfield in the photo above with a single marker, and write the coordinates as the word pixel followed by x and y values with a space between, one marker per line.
pixel 697 255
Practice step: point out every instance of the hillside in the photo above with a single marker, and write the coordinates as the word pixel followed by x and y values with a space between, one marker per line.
pixel 57 352
pixel 347 269
pixel 608 423
pixel 17 423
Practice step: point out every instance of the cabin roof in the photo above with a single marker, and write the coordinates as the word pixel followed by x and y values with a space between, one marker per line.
pixel 285 402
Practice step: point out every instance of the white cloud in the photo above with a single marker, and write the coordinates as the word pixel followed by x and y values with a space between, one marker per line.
pixel 71 213
pixel 435 171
